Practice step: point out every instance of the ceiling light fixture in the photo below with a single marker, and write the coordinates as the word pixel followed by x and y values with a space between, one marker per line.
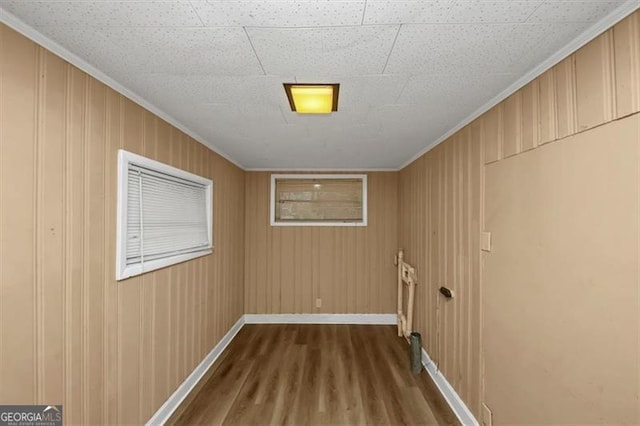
pixel 311 98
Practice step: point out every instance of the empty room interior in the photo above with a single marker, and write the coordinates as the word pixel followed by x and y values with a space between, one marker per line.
pixel 320 212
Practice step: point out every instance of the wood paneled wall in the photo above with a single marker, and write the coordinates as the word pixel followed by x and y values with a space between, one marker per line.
pixel 110 352
pixel 440 209
pixel 349 268
pixel 441 194
pixel 561 293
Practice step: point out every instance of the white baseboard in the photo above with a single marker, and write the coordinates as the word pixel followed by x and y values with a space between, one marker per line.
pixel 371 319
pixel 164 413
pixel 458 406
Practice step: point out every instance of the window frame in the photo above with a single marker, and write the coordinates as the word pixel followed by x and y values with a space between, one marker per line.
pixel 272 205
pixel 125 159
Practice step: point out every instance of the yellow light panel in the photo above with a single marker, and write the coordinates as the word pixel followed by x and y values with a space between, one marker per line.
pixel 312 99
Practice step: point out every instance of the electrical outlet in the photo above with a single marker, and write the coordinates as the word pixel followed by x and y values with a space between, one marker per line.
pixel 487 416
pixel 318 303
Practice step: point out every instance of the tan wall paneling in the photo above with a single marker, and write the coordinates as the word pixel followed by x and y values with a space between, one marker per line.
pixel 565 90
pixel 561 284
pixel 413 196
pixel 440 206
pixel 547 107
pixel 595 82
pixel 575 95
pixel 110 352
pixel 530 112
pixel 493 133
pixel 20 64
pixel 350 268
pixel 627 63
pixel 513 125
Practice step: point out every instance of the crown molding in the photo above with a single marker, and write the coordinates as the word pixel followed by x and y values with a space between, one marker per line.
pixel 320 170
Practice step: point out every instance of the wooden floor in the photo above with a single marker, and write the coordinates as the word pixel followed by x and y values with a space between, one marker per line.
pixel 314 374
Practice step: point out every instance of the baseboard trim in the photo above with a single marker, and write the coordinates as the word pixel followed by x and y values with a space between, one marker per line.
pixel 356 319
pixel 458 406
pixel 164 413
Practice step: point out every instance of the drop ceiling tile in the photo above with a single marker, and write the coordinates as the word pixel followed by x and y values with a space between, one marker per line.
pixel 443 11
pixel 104 1
pixel 233 90
pixel 409 128
pixel 257 142
pixel 394 117
pixel 448 48
pixel 477 48
pixel 556 35
pixel 269 13
pixel 271 136
pixel 538 2
pixel 358 134
pixel 344 117
pixel 94 47
pixel 532 43
pixel 312 51
pixel 187 51
pixel 401 12
pixel 357 145
pixel 456 95
pixel 124 52
pixel 153 14
pixel 573 11
pixel 103 13
pixel 371 90
pixel 238 117
pixel 448 87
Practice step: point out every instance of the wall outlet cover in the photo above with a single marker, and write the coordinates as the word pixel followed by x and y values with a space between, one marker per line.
pixel 485 241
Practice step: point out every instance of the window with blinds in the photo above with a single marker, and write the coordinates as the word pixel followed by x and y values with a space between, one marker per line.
pixel 164 215
pixel 318 200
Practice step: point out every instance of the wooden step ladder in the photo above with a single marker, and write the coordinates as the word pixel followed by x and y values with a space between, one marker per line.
pixel 406 277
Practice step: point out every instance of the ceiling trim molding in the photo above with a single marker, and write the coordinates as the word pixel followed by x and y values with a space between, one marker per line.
pixel 320 170
pixel 624 10
pixel 31 33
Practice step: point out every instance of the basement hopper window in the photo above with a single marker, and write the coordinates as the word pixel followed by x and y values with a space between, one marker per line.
pixel 318 200
pixel 164 215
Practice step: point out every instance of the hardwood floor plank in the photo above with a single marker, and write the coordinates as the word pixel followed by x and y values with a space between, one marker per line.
pixel 386 381
pixel 373 401
pixel 300 374
pixel 351 394
pixel 290 386
pixel 215 381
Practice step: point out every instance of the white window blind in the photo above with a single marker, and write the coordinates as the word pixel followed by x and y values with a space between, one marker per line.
pixel 166 216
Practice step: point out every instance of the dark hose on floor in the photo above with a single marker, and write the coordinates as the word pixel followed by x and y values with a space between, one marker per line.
pixel 416 353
